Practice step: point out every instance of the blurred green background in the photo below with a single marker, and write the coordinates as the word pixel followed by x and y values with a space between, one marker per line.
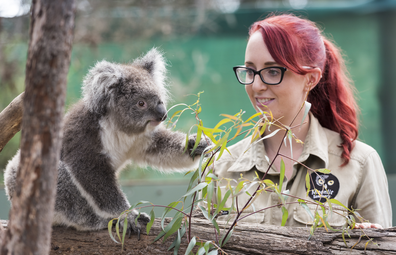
pixel 202 41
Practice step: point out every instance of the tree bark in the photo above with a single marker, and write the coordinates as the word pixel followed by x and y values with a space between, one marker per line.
pixel 246 239
pixel 47 65
pixel 10 120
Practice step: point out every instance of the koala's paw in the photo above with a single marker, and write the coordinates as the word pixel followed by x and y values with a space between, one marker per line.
pixel 203 144
pixel 133 227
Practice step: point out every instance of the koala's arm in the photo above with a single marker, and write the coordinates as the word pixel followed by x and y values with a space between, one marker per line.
pixel 167 150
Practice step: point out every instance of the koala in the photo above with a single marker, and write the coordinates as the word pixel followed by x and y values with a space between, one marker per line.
pixel 118 120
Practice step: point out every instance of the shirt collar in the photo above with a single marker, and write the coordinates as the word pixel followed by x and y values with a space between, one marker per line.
pixel 254 154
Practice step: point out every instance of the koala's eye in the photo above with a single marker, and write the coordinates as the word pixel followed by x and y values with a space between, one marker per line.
pixel 141 103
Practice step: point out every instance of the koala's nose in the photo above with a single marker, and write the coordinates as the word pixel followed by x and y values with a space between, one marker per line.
pixel 161 112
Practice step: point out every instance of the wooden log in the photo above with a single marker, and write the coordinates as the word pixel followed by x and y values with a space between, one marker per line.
pixel 10 120
pixel 246 239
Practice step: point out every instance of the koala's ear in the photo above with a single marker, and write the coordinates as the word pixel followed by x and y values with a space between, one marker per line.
pixel 154 62
pixel 98 85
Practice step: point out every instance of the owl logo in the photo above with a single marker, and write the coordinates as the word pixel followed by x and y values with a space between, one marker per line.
pixel 323 186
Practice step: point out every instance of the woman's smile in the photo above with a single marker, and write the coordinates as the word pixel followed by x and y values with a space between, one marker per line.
pixel 263 101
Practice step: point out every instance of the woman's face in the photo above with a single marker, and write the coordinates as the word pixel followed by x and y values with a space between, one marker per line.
pixel 283 100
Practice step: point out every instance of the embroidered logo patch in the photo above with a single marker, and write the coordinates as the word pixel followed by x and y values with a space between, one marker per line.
pixel 324 186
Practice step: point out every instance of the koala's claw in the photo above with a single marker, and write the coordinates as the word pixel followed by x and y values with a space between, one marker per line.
pixel 203 144
pixel 132 226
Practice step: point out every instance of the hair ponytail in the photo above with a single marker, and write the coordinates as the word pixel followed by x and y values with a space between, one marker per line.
pixel 332 100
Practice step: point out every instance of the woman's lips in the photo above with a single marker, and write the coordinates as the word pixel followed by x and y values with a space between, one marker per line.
pixel 263 101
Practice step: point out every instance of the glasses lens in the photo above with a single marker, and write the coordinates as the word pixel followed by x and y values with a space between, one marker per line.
pixel 245 75
pixel 271 75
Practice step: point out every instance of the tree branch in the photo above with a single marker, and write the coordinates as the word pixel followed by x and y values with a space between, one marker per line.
pixel 246 239
pixel 10 120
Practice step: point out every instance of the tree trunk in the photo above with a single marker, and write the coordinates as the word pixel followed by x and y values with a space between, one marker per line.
pixel 47 65
pixel 387 89
pixel 246 239
pixel 10 120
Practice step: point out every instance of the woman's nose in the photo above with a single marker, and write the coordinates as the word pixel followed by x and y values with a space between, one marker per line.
pixel 258 84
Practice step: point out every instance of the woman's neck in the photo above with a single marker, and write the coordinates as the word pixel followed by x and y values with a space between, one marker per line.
pixel 276 143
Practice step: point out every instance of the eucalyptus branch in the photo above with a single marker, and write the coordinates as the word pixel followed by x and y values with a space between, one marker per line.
pixel 265 174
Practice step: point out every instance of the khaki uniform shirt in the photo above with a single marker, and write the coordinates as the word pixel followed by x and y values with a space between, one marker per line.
pixel 361 184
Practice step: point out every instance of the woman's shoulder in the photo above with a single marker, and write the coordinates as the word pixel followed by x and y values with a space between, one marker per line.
pixel 360 152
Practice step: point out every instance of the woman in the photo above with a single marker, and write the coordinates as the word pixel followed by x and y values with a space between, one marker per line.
pixel 287 62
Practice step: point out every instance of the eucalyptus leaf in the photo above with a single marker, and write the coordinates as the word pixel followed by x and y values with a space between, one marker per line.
pixel 176 225
pixel 306 111
pixel 190 246
pixel 196 188
pixel 150 224
pixel 285 215
pixel 110 227
pixel 282 173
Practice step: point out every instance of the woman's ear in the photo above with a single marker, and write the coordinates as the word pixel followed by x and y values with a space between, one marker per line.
pixel 313 77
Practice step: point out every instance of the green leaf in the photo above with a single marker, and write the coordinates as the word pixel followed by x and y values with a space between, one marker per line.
pixel 190 246
pixel 138 203
pixel 285 215
pixel 323 171
pixel 269 183
pixel 204 212
pixel 223 145
pixel 213 176
pixel 214 252
pixel 207 246
pixel 304 205
pixel 252 117
pixel 176 243
pixel 269 136
pixel 306 110
pixel 282 173
pixel 222 241
pixel 124 230
pixel 196 188
pixel 307 182
pixel 201 251
pixel 290 136
pixel 193 178
pixel 118 226
pixel 220 207
pixel 150 224
pixel 168 209
pixel 221 122
pixel 335 201
pixel 214 222
pixel 197 140
pixel 169 226
pixel 239 186
pixel 110 227
pixel 210 195
pixel 174 227
pixel 218 194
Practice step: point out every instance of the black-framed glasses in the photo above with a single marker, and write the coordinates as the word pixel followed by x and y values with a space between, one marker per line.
pixel 270 75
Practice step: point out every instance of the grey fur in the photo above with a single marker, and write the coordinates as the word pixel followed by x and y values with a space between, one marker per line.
pixel 118 120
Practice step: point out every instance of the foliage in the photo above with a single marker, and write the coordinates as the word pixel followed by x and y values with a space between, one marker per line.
pixel 204 187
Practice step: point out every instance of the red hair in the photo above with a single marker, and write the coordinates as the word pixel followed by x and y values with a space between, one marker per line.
pixel 295 42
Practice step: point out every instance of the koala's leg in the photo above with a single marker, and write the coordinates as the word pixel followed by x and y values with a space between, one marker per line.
pixel 89 199
pixel 166 150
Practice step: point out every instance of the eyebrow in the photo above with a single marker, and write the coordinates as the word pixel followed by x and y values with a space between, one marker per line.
pixel 266 63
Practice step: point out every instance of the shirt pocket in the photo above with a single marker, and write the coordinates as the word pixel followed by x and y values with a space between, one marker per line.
pixel 336 219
